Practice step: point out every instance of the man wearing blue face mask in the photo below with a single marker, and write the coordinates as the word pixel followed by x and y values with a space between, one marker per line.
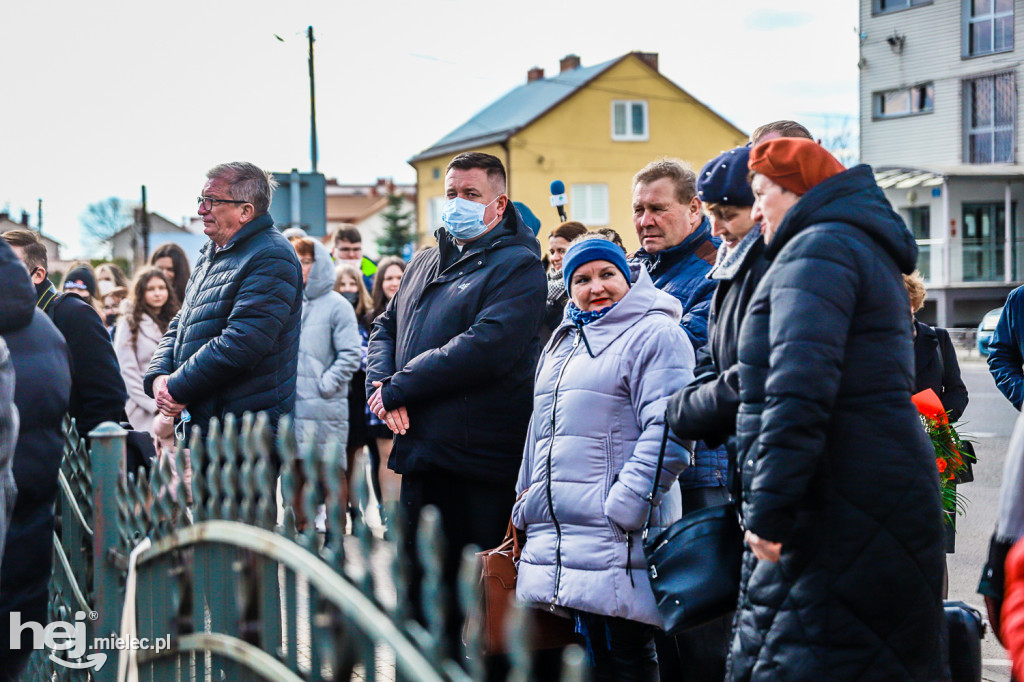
pixel 450 362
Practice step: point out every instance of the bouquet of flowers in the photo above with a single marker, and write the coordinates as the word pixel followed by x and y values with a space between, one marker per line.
pixel 951 457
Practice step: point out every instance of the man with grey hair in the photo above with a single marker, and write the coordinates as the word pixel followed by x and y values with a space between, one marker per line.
pixel 233 346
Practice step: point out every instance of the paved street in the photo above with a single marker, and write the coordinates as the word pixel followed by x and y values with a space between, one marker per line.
pixel 989 420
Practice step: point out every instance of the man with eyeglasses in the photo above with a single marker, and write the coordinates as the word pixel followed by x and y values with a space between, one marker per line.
pixel 98 393
pixel 348 249
pixel 233 346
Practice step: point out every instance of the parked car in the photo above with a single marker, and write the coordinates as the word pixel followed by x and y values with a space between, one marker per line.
pixel 985 329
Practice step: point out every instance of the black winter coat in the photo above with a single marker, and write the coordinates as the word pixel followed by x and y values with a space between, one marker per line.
pixel 706 408
pixel 940 375
pixel 458 346
pixel 42 368
pixel 835 463
pixel 233 347
pixel 98 393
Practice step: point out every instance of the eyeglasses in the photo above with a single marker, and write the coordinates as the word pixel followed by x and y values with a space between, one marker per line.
pixel 208 202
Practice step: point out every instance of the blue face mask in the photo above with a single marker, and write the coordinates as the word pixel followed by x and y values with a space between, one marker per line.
pixel 464 219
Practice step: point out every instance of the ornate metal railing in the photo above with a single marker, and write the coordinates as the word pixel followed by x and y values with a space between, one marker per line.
pixel 206 580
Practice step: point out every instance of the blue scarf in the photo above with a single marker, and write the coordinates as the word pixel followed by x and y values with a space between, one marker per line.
pixel 582 318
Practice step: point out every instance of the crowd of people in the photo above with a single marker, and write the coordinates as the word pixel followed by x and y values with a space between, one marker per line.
pixel 760 344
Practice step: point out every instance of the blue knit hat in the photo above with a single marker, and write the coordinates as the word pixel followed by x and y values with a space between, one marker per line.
pixel 723 180
pixel 588 250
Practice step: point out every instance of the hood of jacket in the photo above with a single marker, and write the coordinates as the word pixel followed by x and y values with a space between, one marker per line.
pixel 511 230
pixel 852 197
pixel 19 299
pixel 643 298
pixel 321 277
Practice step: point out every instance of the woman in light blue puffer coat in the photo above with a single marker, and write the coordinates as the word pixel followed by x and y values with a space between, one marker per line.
pixel 329 349
pixel 602 385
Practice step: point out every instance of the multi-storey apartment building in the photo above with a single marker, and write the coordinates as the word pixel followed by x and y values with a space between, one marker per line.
pixel 941 124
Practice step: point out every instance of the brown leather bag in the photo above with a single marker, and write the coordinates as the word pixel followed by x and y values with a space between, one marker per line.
pixel 497 592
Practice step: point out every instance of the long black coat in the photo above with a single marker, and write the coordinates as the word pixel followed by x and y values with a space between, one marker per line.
pixel 234 345
pixel 458 346
pixel 835 463
pixel 42 369
pixel 706 408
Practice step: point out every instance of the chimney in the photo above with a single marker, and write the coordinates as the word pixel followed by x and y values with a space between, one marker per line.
pixel 4 215
pixel 24 218
pixel 568 63
pixel 648 58
pixel 535 74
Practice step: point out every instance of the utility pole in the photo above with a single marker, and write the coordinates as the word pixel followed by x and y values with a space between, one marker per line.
pixel 312 100
pixel 39 216
pixel 144 223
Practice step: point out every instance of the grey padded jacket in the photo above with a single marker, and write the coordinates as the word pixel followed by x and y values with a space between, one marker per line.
pixel 591 452
pixel 330 351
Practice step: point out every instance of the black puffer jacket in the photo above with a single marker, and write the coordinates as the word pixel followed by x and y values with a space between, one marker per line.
pixel 458 347
pixel 42 369
pixel 835 463
pixel 706 408
pixel 234 344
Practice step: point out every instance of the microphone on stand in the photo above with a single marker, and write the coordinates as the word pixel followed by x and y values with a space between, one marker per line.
pixel 558 198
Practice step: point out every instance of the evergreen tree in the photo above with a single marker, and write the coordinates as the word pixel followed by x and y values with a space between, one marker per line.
pixel 397 228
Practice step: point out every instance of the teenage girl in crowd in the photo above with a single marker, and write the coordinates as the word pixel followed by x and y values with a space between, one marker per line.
pixel 171 259
pixel 149 311
pixel 348 282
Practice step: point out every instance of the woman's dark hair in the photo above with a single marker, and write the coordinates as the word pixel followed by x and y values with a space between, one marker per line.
pixel 379 304
pixel 569 230
pixel 182 270
pixel 162 315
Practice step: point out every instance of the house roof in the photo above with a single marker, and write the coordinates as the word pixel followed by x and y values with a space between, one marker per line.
pixel 515 110
pixel 354 208
pixel 907 177
pixel 157 225
pixel 6 225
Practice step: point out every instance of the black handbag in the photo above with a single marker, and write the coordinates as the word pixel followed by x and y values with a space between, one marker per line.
pixel 966 629
pixel 694 564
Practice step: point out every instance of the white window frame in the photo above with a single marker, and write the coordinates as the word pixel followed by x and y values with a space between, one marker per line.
pixel 629 135
pixel 912 93
pixel 968 22
pixel 992 128
pixel 896 5
pixel 582 204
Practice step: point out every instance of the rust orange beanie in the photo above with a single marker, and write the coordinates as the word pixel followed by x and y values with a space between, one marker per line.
pixel 795 163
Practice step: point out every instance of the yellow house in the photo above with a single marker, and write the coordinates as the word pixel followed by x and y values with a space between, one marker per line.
pixel 590 127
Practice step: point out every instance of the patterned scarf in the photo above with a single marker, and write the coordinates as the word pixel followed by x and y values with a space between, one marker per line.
pixel 582 318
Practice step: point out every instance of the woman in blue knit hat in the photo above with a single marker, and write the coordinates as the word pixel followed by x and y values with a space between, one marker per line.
pixel 598 417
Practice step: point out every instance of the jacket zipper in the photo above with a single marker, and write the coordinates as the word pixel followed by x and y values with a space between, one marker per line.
pixel 551 445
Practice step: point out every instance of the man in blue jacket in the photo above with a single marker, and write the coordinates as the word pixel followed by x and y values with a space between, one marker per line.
pixel 678 250
pixel 450 363
pixel 234 344
pixel 1006 349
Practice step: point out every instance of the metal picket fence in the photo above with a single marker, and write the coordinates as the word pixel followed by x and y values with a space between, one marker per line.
pixel 218 590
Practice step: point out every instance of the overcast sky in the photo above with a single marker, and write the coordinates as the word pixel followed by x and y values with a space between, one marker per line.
pixel 103 97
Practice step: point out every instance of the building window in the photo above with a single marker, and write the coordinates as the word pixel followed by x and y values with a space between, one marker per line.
pixel 883 6
pixel 989 104
pixel 589 205
pixel 984 239
pixel 987 26
pixel 629 120
pixel 919 221
pixel 919 99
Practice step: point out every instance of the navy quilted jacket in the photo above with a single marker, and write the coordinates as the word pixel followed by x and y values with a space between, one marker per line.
pixel 834 462
pixel 682 271
pixel 234 344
